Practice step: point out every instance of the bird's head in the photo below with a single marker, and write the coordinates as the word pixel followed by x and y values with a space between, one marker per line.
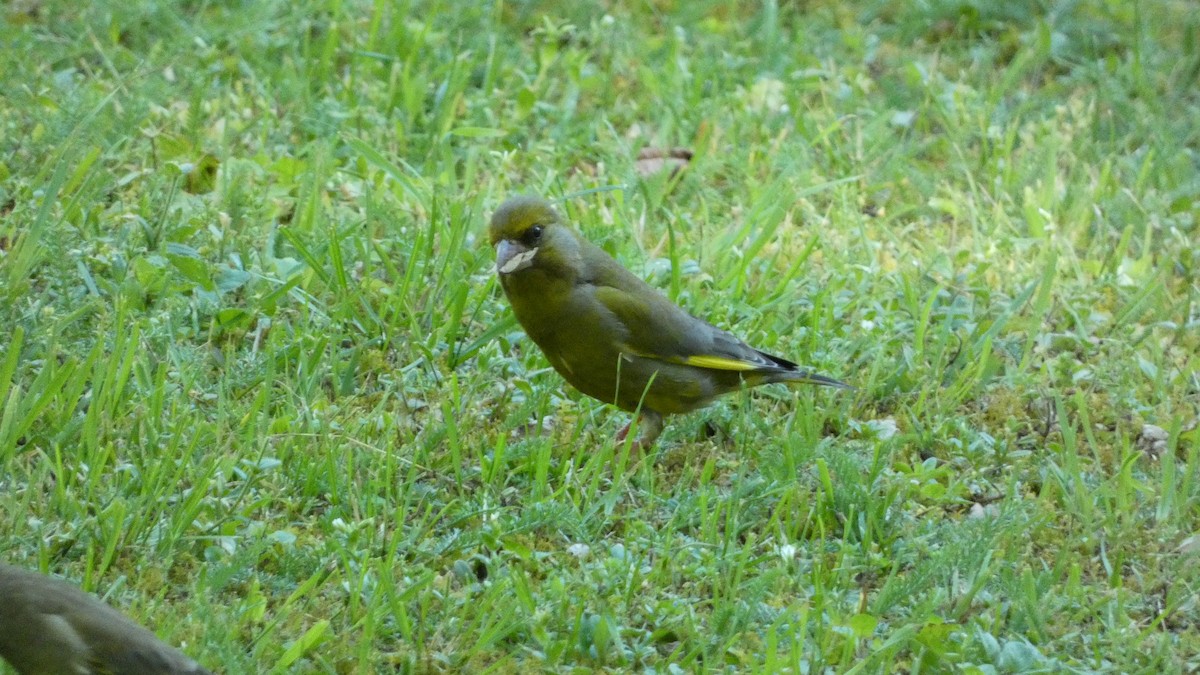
pixel 528 234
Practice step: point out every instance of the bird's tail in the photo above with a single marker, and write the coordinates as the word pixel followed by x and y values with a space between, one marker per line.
pixel 806 377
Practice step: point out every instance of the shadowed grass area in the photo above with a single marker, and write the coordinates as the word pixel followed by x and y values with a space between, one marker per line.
pixel 259 379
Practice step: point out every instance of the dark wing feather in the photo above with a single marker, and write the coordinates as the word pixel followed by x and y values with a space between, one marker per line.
pixel 657 328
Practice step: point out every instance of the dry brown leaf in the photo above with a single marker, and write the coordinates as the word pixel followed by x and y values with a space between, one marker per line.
pixel 653 160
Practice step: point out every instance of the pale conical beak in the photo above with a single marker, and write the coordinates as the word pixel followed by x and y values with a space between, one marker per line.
pixel 512 256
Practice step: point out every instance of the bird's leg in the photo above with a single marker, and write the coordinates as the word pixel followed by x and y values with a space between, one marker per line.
pixel 624 431
pixel 649 428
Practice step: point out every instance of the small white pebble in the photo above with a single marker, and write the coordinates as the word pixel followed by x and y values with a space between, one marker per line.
pixel 884 428
pixel 1153 440
pixel 980 511
pixel 1154 433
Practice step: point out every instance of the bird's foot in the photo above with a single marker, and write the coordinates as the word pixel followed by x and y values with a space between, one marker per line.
pixel 624 432
pixel 650 425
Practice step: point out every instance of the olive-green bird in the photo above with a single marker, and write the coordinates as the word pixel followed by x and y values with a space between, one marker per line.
pixel 49 627
pixel 610 334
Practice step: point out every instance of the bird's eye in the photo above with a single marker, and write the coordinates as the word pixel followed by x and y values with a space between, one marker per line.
pixel 533 235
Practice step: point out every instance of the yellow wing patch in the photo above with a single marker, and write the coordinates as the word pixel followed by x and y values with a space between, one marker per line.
pixel 700 361
pixel 720 363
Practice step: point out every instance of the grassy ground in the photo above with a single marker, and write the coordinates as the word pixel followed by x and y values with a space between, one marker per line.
pixel 259 386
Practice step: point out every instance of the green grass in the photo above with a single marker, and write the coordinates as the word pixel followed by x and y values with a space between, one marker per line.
pixel 260 387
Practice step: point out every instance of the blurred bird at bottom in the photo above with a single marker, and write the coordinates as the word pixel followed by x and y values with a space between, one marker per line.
pixel 49 627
